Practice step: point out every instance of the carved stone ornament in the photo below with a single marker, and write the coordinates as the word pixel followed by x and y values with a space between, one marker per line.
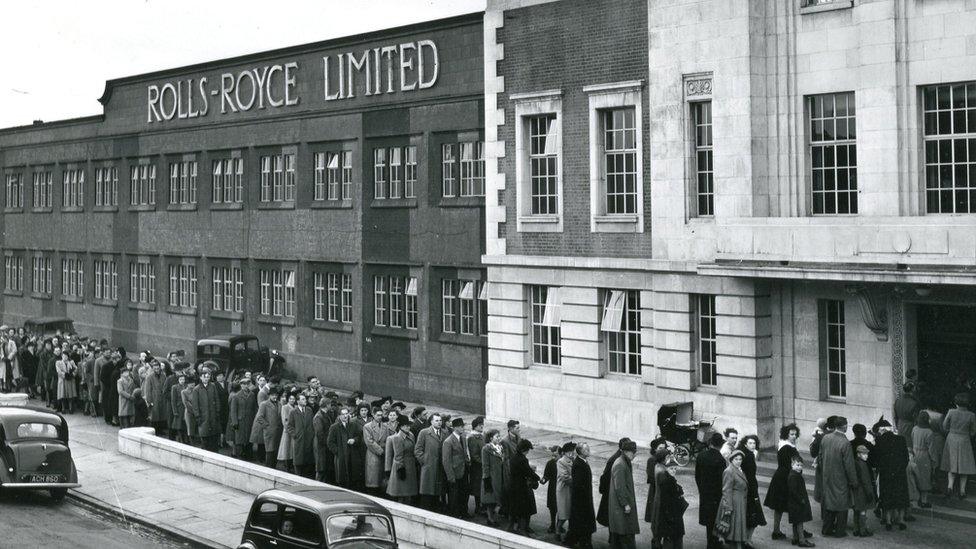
pixel 874 310
pixel 699 87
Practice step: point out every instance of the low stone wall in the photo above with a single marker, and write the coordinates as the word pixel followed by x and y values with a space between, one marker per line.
pixel 13 399
pixel 413 525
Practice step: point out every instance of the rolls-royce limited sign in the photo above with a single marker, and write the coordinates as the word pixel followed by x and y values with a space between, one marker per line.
pixel 398 68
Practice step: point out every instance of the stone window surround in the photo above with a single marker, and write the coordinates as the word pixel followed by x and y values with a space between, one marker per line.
pixel 697 87
pixel 527 105
pixel 608 96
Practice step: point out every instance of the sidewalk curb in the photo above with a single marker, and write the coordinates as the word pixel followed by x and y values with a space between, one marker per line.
pixel 197 542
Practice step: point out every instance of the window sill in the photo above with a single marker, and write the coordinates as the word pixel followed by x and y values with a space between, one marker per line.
pixel 385 331
pixel 105 209
pixel 284 205
pixel 838 400
pixel 142 306
pixel 627 223
pixel 35 295
pixel 105 302
pixel 830 6
pixel 181 207
pixel 72 299
pixel 42 210
pixel 227 315
pixel 393 203
pixel 226 206
pixel 14 293
pixel 187 311
pixel 142 208
pixel 331 205
pixel 707 388
pixel 13 210
pixel 330 326
pixel 462 202
pixel 73 209
pixel 540 224
pixel 702 219
pixel 276 320
pixel 462 339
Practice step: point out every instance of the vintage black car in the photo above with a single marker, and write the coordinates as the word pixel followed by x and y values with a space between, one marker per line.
pixel 34 452
pixel 234 352
pixel 310 516
pixel 49 325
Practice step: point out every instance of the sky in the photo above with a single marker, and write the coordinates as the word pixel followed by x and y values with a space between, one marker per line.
pixel 57 54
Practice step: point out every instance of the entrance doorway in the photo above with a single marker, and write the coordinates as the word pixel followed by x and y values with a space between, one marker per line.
pixel 946 352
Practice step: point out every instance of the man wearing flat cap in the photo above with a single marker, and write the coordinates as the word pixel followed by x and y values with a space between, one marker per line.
pixel 454 457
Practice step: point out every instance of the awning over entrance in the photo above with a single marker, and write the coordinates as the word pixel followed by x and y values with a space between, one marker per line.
pixel 896 273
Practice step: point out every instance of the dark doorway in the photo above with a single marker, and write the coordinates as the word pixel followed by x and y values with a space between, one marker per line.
pixel 946 352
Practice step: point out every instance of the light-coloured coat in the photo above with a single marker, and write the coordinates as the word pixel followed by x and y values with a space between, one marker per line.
pixel 67 387
pixel 622 495
pixel 735 487
pixel 267 426
pixel 836 460
pixel 400 454
pixel 428 453
pixel 375 435
pixel 492 469
pixel 454 458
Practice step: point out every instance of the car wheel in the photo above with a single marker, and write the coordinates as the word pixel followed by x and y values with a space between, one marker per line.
pixel 58 494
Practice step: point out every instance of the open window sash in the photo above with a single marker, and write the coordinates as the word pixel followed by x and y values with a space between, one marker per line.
pixel 412 286
pixel 467 290
pixel 613 312
pixel 553 315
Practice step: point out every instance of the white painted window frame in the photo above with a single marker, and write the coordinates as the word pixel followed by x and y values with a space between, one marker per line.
pixel 528 105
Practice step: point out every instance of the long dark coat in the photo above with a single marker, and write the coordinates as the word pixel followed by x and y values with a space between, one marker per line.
pixel 864 494
pixel 152 391
pixel 206 410
pixel 165 405
pixel 475 442
pixel 709 467
pixel 324 458
pixel 302 436
pixel 399 454
pixel 549 476
pixel 890 457
pixel 267 426
pixel 243 408
pixel 798 505
pixel 582 519
pixel 778 493
pixel 754 512
pixel 521 499
pixel 836 460
pixel 621 494
pixel 670 522
pixel 602 513
pixel 176 408
pixel 349 459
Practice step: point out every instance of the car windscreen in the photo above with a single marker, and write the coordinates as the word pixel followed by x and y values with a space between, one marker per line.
pixel 211 351
pixel 37 430
pixel 357 526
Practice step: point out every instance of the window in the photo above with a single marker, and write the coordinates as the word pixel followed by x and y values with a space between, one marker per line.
pixel 107 186
pixel 41 281
pixel 396 172
pixel 346 298
pixel 703 335
pixel 473 169
pixel 301 525
pixel 357 526
pixel 265 517
pixel 545 318
pixel 228 289
pixel 15 191
pixel 410 172
pixel 621 326
pixel 278 178
pixel 396 302
pixel 318 291
pixel 40 430
pixel 106 280
pixel 43 190
pixel 142 179
pixel 466 301
pixel 704 177
pixel 289 177
pixel 833 153
pixel 379 174
pixel 379 301
pixel 448 179
pixel 228 181
pixel 950 147
pixel 142 282
pixel 620 160
pixel 483 309
pixel 543 165
pixel 72 188
pixel 333 175
pixel 833 348
pixel 335 303
pixel 278 293
pixel 448 297
pixel 183 182
pixel 14 273
pixel 183 286
pixel 411 303
pixel 72 277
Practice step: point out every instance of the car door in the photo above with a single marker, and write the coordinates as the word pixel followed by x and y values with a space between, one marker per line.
pixel 299 529
pixel 262 526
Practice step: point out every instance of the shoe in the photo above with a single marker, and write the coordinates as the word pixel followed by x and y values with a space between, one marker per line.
pixel 805 543
pixel 778 535
pixel 807 535
pixel 902 526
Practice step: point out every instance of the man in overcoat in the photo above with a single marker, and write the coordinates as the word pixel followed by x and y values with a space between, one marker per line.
pixel 454 457
pixel 152 391
pixel 428 454
pixel 345 441
pixel 709 468
pixel 374 436
pixel 602 514
pixel 622 505
pixel 243 408
pixel 267 428
pixel 582 520
pixel 206 411
pixel 839 478
pixel 324 458
pixel 302 437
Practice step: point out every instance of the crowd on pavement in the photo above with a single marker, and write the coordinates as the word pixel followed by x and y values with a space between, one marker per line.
pixel 441 463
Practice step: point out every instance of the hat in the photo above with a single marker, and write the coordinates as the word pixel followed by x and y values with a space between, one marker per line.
pixel 629 446
pixel 735 453
pixel 568 447
pixel 881 423
pixel 862 449
pixel 402 420
pixel 457 422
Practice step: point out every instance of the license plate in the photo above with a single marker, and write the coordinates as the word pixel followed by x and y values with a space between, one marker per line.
pixel 45 478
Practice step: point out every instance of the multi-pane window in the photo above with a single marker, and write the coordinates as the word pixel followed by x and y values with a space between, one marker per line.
pixel 183 182
pixel 833 153
pixel 410 295
pixel 379 301
pixel 410 172
pixel 142 282
pixel 461 307
pixel 319 296
pixel 703 331
pixel 346 299
pixel 43 189
pixel 278 292
pixel 41 275
pixel 545 318
pixel 396 302
pixel 380 187
pixel 448 299
pixel 333 175
pixel 142 183
pixel 106 280
pixel 473 169
pixel 330 298
pixel 620 160
pixel 543 165
pixel 228 181
pixel 107 186
pixel 704 175
pixel 950 147
pixel 483 308
pixel 183 286
pixel 834 348
pixel 73 188
pixel 72 277
pixel 13 273
pixel 621 326
pixel 466 309
pixel 396 172
pixel 278 178
pixel 448 175
pixel 228 289
pixel 15 191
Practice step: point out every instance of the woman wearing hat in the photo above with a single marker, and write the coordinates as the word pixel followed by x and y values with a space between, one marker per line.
pixel 492 474
pixel 730 524
pixel 401 463
pixel 670 526
pixel 957 456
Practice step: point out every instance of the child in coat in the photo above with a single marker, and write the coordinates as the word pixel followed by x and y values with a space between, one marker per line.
pixel 549 478
pixel 864 494
pixel 798 505
pixel 141 409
